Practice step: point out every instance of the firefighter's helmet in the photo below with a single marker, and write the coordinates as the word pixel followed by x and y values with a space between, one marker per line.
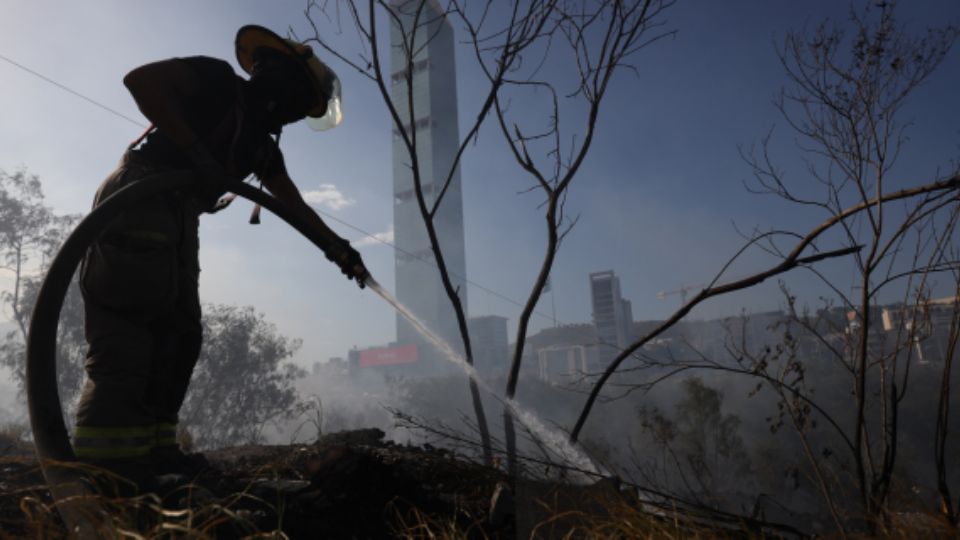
pixel 327 114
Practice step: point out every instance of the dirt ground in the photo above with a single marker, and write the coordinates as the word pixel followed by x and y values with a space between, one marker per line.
pixel 347 485
pixel 355 485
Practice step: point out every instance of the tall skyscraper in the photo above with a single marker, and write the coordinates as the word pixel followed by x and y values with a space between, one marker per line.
pixel 418 284
pixel 612 316
pixel 491 349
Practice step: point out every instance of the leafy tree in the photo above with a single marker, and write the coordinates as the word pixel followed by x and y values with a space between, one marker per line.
pixel 30 233
pixel 698 442
pixel 241 382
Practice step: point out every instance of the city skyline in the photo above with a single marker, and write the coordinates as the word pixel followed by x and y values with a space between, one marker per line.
pixel 661 199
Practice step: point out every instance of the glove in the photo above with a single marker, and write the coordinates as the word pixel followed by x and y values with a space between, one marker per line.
pixel 348 259
pixel 212 177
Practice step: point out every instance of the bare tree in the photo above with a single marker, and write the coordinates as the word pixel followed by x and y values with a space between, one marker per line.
pixel 949 509
pixel 510 43
pixel 603 37
pixel 413 19
pixel 843 102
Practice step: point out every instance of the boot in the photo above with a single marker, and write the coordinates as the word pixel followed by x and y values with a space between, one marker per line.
pixel 171 460
pixel 124 477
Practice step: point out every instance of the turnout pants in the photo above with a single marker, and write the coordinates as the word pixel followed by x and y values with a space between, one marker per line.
pixel 142 309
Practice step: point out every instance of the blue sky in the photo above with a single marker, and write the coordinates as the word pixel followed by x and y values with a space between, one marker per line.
pixel 656 200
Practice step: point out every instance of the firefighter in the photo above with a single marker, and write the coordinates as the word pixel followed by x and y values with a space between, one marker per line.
pixel 140 278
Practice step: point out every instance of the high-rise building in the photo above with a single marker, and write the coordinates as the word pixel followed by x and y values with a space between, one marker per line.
pixel 488 339
pixel 434 90
pixel 612 316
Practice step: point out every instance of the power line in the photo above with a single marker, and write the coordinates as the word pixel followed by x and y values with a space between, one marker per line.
pixel 334 218
pixel 70 90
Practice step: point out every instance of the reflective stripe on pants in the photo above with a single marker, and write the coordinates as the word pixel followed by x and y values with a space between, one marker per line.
pixel 166 434
pixel 122 442
pixel 114 442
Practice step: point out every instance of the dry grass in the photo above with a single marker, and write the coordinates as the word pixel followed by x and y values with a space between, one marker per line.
pixel 189 511
pixel 145 517
pixel 602 517
pixel 534 510
pixel 415 524
pixel 624 521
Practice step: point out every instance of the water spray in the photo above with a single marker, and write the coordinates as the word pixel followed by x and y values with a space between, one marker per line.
pixel 552 437
pixel 82 514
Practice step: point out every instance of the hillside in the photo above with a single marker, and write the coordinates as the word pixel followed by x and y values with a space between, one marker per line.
pixel 356 485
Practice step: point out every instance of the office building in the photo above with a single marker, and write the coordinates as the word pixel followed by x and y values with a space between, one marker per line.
pixel 612 316
pixel 434 89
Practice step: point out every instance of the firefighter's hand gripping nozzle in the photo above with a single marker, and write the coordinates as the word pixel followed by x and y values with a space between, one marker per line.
pixel 341 253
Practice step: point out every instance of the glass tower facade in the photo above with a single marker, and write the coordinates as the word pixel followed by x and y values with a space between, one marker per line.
pixel 434 123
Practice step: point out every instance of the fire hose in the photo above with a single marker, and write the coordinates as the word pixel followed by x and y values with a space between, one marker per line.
pixel 74 501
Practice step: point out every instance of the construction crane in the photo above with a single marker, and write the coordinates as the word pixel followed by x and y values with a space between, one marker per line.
pixel 682 291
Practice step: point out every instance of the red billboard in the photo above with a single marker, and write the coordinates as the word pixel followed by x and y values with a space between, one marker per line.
pixel 388 356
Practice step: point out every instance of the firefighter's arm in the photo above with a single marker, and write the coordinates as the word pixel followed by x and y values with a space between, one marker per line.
pixel 339 251
pixel 159 90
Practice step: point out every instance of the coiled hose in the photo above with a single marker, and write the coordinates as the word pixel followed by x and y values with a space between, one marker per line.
pixel 80 513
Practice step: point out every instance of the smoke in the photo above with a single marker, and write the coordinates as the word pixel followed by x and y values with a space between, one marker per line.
pixel 333 399
pixel 724 440
pixel 11 407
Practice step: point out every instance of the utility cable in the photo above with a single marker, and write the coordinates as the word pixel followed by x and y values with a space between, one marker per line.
pixel 325 214
pixel 65 88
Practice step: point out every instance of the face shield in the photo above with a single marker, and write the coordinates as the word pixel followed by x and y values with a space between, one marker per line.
pixel 333 115
pixel 325 82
